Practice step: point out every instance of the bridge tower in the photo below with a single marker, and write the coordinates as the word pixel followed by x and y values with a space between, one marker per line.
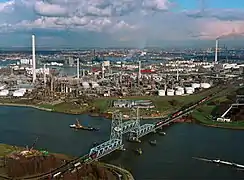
pixel 116 126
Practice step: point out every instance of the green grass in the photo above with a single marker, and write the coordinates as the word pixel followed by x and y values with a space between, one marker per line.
pixel 203 115
pixel 7 149
pixel 162 104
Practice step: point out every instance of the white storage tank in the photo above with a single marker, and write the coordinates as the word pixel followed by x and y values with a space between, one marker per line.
pixel 106 63
pixel 205 85
pixel 179 92
pixel 189 88
pixel 195 85
pixel 161 92
pixel 181 89
pixel 189 91
pixel 2 87
pixel 170 92
pixel 18 93
pixel 4 92
pixel 85 85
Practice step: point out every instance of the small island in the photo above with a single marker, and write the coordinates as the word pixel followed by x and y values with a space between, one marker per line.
pixel 19 162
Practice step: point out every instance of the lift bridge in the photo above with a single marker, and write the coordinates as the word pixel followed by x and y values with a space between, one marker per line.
pixel 118 128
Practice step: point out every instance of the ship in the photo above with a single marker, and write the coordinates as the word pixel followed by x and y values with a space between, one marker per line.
pixel 138 151
pixel 153 142
pixel 161 133
pixel 77 125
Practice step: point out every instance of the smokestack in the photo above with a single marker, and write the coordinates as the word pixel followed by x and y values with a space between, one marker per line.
pixel 78 68
pixel 177 75
pixel 216 51
pixel 103 70
pixel 33 59
pixel 83 72
pixel 44 74
pixel 177 72
pixel 139 70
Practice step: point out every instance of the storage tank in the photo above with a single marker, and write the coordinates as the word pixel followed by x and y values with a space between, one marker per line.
pixel 189 91
pixel 2 87
pixel 170 92
pixel 106 63
pixel 161 92
pixel 179 92
pixel 205 85
pixel 18 93
pixel 195 85
pixel 190 88
pixel 181 89
pixel 85 85
pixel 4 92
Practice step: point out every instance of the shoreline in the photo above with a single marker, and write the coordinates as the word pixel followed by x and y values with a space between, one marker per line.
pixel 102 115
pixel 51 110
pixel 220 126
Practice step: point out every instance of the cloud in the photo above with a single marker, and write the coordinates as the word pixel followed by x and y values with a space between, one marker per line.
pixel 47 9
pixel 139 22
pixel 220 14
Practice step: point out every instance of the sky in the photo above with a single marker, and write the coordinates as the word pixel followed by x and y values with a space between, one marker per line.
pixel 119 23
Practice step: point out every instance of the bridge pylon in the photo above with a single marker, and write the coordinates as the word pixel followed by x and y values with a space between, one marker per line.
pixel 116 126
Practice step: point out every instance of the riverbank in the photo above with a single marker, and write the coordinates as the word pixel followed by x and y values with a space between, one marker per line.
pixel 203 116
pixel 102 106
pixel 6 150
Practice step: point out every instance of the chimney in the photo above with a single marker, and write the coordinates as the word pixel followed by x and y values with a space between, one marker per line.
pixel 216 51
pixel 78 68
pixel 33 59
pixel 139 70
pixel 44 74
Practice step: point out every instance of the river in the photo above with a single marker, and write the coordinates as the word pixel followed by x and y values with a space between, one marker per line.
pixel 170 159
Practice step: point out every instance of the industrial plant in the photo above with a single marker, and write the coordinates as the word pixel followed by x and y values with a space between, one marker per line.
pixel 101 76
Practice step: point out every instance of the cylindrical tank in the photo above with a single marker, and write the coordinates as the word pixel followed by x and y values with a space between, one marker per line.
pixel 205 85
pixel 161 92
pixel 2 87
pixel 178 92
pixel 4 92
pixel 195 85
pixel 181 89
pixel 18 93
pixel 189 88
pixel 170 92
pixel 106 63
pixel 85 85
pixel 189 91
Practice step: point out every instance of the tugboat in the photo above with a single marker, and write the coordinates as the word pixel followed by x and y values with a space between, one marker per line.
pixel 153 142
pixel 77 125
pixel 138 151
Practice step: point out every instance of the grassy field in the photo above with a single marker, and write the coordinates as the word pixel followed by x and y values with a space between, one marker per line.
pixel 66 107
pixel 7 149
pixel 164 104
pixel 203 114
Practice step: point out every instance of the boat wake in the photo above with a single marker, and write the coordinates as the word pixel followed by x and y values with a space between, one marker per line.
pixel 218 161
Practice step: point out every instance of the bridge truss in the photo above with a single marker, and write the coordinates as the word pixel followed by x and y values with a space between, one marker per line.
pixel 118 128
